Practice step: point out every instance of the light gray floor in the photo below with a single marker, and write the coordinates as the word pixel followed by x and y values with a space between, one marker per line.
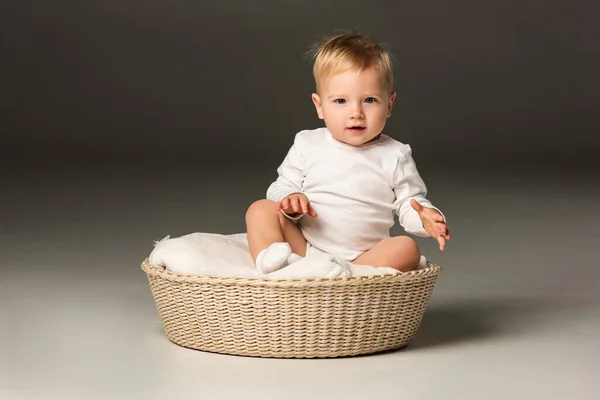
pixel 515 313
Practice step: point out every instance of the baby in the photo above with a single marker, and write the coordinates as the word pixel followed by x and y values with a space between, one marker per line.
pixel 340 186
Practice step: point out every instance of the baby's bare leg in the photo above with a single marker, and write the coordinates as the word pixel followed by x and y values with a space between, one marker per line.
pixel 400 252
pixel 265 226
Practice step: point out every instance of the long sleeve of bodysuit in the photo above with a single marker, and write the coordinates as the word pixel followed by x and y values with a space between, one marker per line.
pixel 290 174
pixel 408 185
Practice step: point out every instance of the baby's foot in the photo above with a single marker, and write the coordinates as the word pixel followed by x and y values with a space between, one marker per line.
pixel 293 258
pixel 273 257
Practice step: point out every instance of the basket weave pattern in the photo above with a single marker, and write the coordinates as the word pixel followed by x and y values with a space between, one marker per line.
pixel 292 318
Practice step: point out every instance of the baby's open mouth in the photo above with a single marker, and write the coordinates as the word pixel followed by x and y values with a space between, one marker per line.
pixel 357 128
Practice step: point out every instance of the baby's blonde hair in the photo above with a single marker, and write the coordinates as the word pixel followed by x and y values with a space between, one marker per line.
pixel 347 52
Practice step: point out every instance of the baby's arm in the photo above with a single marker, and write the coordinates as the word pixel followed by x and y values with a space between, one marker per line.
pixel 408 185
pixel 290 177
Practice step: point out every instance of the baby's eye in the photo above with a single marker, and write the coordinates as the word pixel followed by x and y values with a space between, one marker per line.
pixel 340 101
pixel 370 100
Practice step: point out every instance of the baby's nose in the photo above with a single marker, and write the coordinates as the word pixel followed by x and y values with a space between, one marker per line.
pixel 357 112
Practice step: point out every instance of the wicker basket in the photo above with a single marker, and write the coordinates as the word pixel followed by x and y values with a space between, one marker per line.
pixel 295 318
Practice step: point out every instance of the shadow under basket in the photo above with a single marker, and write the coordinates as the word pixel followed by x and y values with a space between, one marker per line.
pixel 291 318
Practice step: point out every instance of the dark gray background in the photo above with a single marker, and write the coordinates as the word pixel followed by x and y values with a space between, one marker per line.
pixel 221 82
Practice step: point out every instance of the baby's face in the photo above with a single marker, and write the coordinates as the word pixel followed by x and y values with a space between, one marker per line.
pixel 355 105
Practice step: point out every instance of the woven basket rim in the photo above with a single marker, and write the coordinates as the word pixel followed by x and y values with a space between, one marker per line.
pixel 151 270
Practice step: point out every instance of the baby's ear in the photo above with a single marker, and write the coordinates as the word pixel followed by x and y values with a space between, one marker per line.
pixel 317 102
pixel 391 104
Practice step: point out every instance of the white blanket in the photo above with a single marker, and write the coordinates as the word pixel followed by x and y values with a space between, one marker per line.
pixel 229 256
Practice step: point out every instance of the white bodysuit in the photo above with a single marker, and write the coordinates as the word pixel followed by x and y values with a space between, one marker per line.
pixel 356 191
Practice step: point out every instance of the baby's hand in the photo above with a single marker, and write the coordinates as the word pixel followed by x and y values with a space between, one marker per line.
pixel 296 203
pixel 433 222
